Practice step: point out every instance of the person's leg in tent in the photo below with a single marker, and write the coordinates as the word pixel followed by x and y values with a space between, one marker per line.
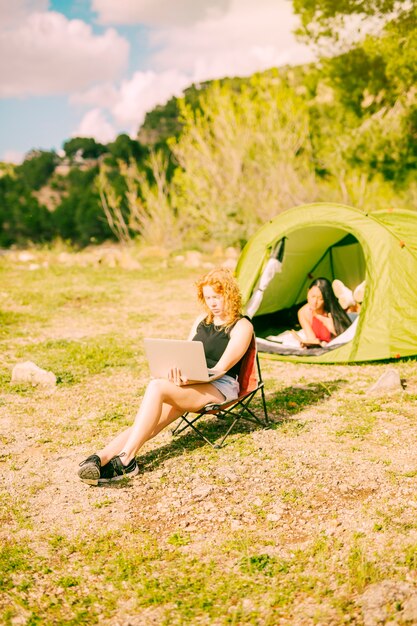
pixel 344 295
pixel 359 293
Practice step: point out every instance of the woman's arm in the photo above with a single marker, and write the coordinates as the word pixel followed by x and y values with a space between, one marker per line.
pixel 240 338
pixel 304 317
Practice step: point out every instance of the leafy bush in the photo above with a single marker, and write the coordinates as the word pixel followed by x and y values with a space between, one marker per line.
pixel 37 168
pixel 79 217
pixel 86 147
pixel 244 156
pixel 22 218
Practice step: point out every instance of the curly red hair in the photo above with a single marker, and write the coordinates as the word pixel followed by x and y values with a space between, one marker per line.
pixel 223 282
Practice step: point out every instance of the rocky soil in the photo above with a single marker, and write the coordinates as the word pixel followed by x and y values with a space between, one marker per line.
pixel 332 481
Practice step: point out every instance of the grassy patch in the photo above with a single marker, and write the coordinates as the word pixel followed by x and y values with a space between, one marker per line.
pixel 84 579
pixel 13 323
pixel 71 361
pixel 359 417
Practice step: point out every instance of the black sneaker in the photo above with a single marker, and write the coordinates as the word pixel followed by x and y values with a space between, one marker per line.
pixel 115 470
pixel 89 471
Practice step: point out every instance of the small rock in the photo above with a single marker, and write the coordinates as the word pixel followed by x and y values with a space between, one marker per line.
pixel 389 381
pixel 65 258
pixel 248 605
pixel 379 599
pixel 29 372
pixel 229 264
pixel 202 492
pixel 153 252
pixel 235 524
pixel 231 253
pixel 25 256
pixel 229 477
pixel 127 262
pixel 193 258
pixel 410 610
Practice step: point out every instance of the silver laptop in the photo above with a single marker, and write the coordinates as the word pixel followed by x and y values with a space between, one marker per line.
pixel 188 356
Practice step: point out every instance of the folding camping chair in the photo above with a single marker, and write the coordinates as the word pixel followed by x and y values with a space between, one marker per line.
pixel 250 382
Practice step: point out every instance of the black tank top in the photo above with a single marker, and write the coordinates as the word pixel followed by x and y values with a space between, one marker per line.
pixel 215 342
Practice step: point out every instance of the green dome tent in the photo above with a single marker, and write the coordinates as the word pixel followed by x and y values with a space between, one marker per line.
pixel 337 241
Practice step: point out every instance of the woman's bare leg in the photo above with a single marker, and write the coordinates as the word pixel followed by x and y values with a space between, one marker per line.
pixel 114 447
pixel 162 403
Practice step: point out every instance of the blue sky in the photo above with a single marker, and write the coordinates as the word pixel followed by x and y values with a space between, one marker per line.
pixel 95 67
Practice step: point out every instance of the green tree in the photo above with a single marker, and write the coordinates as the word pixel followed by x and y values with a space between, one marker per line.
pixel 87 147
pixel 125 149
pixel 37 168
pixel 160 124
pixel 373 80
pixel 22 218
pixel 378 65
pixel 79 217
pixel 324 21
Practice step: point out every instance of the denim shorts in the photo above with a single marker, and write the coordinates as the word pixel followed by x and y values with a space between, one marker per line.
pixel 228 386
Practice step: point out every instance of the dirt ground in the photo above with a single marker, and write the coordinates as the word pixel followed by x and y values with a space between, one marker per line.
pixel 337 464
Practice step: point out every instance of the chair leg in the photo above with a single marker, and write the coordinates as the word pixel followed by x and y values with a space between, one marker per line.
pixel 264 404
pixel 258 365
pixel 190 423
pixel 217 446
pixel 246 413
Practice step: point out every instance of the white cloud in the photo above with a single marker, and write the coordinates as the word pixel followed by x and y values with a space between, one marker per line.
pixel 43 52
pixel 250 37
pixel 12 13
pixel 244 40
pixel 104 94
pixel 143 92
pixel 158 12
pixel 129 104
pixel 95 124
pixel 49 54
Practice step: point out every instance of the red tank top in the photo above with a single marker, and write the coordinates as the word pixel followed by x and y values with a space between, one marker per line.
pixel 320 330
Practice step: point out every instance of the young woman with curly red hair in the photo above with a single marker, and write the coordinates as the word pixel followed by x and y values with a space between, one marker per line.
pixel 226 336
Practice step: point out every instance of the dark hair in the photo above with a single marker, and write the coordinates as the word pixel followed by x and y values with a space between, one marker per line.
pixel 341 319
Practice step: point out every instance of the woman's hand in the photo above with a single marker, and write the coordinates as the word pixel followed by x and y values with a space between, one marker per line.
pixel 175 376
pixel 309 344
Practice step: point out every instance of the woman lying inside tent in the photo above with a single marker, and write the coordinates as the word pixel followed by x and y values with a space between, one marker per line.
pixel 324 325
pixel 322 318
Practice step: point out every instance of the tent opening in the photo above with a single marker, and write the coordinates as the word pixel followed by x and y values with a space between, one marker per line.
pixel 310 252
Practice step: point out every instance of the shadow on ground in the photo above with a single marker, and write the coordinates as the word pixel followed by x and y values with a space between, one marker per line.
pixel 292 400
pixel 282 407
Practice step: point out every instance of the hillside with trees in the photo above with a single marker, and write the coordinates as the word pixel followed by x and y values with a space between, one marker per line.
pixel 214 165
